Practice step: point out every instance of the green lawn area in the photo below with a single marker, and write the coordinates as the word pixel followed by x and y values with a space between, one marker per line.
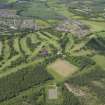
pixel 100 60
pixel 94 25
pixel 57 77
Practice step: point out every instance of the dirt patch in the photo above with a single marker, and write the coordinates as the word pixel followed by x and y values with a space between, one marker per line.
pixel 63 68
pixel 74 90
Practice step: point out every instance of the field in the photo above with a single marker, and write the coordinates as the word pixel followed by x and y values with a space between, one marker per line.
pixel 62 68
pixel 95 25
pixel 100 60
pixel 7 1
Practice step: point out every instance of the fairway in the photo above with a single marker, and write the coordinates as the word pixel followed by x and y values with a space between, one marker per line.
pixel 62 68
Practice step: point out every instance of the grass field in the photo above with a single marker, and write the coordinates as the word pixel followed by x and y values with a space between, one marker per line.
pixel 100 60
pixel 61 69
pixel 5 1
pixel 94 25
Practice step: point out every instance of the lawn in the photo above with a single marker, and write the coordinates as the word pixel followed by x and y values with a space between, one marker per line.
pixel 100 60
pixel 61 69
pixel 94 25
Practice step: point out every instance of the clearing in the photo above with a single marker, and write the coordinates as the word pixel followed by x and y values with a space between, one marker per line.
pixel 61 69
